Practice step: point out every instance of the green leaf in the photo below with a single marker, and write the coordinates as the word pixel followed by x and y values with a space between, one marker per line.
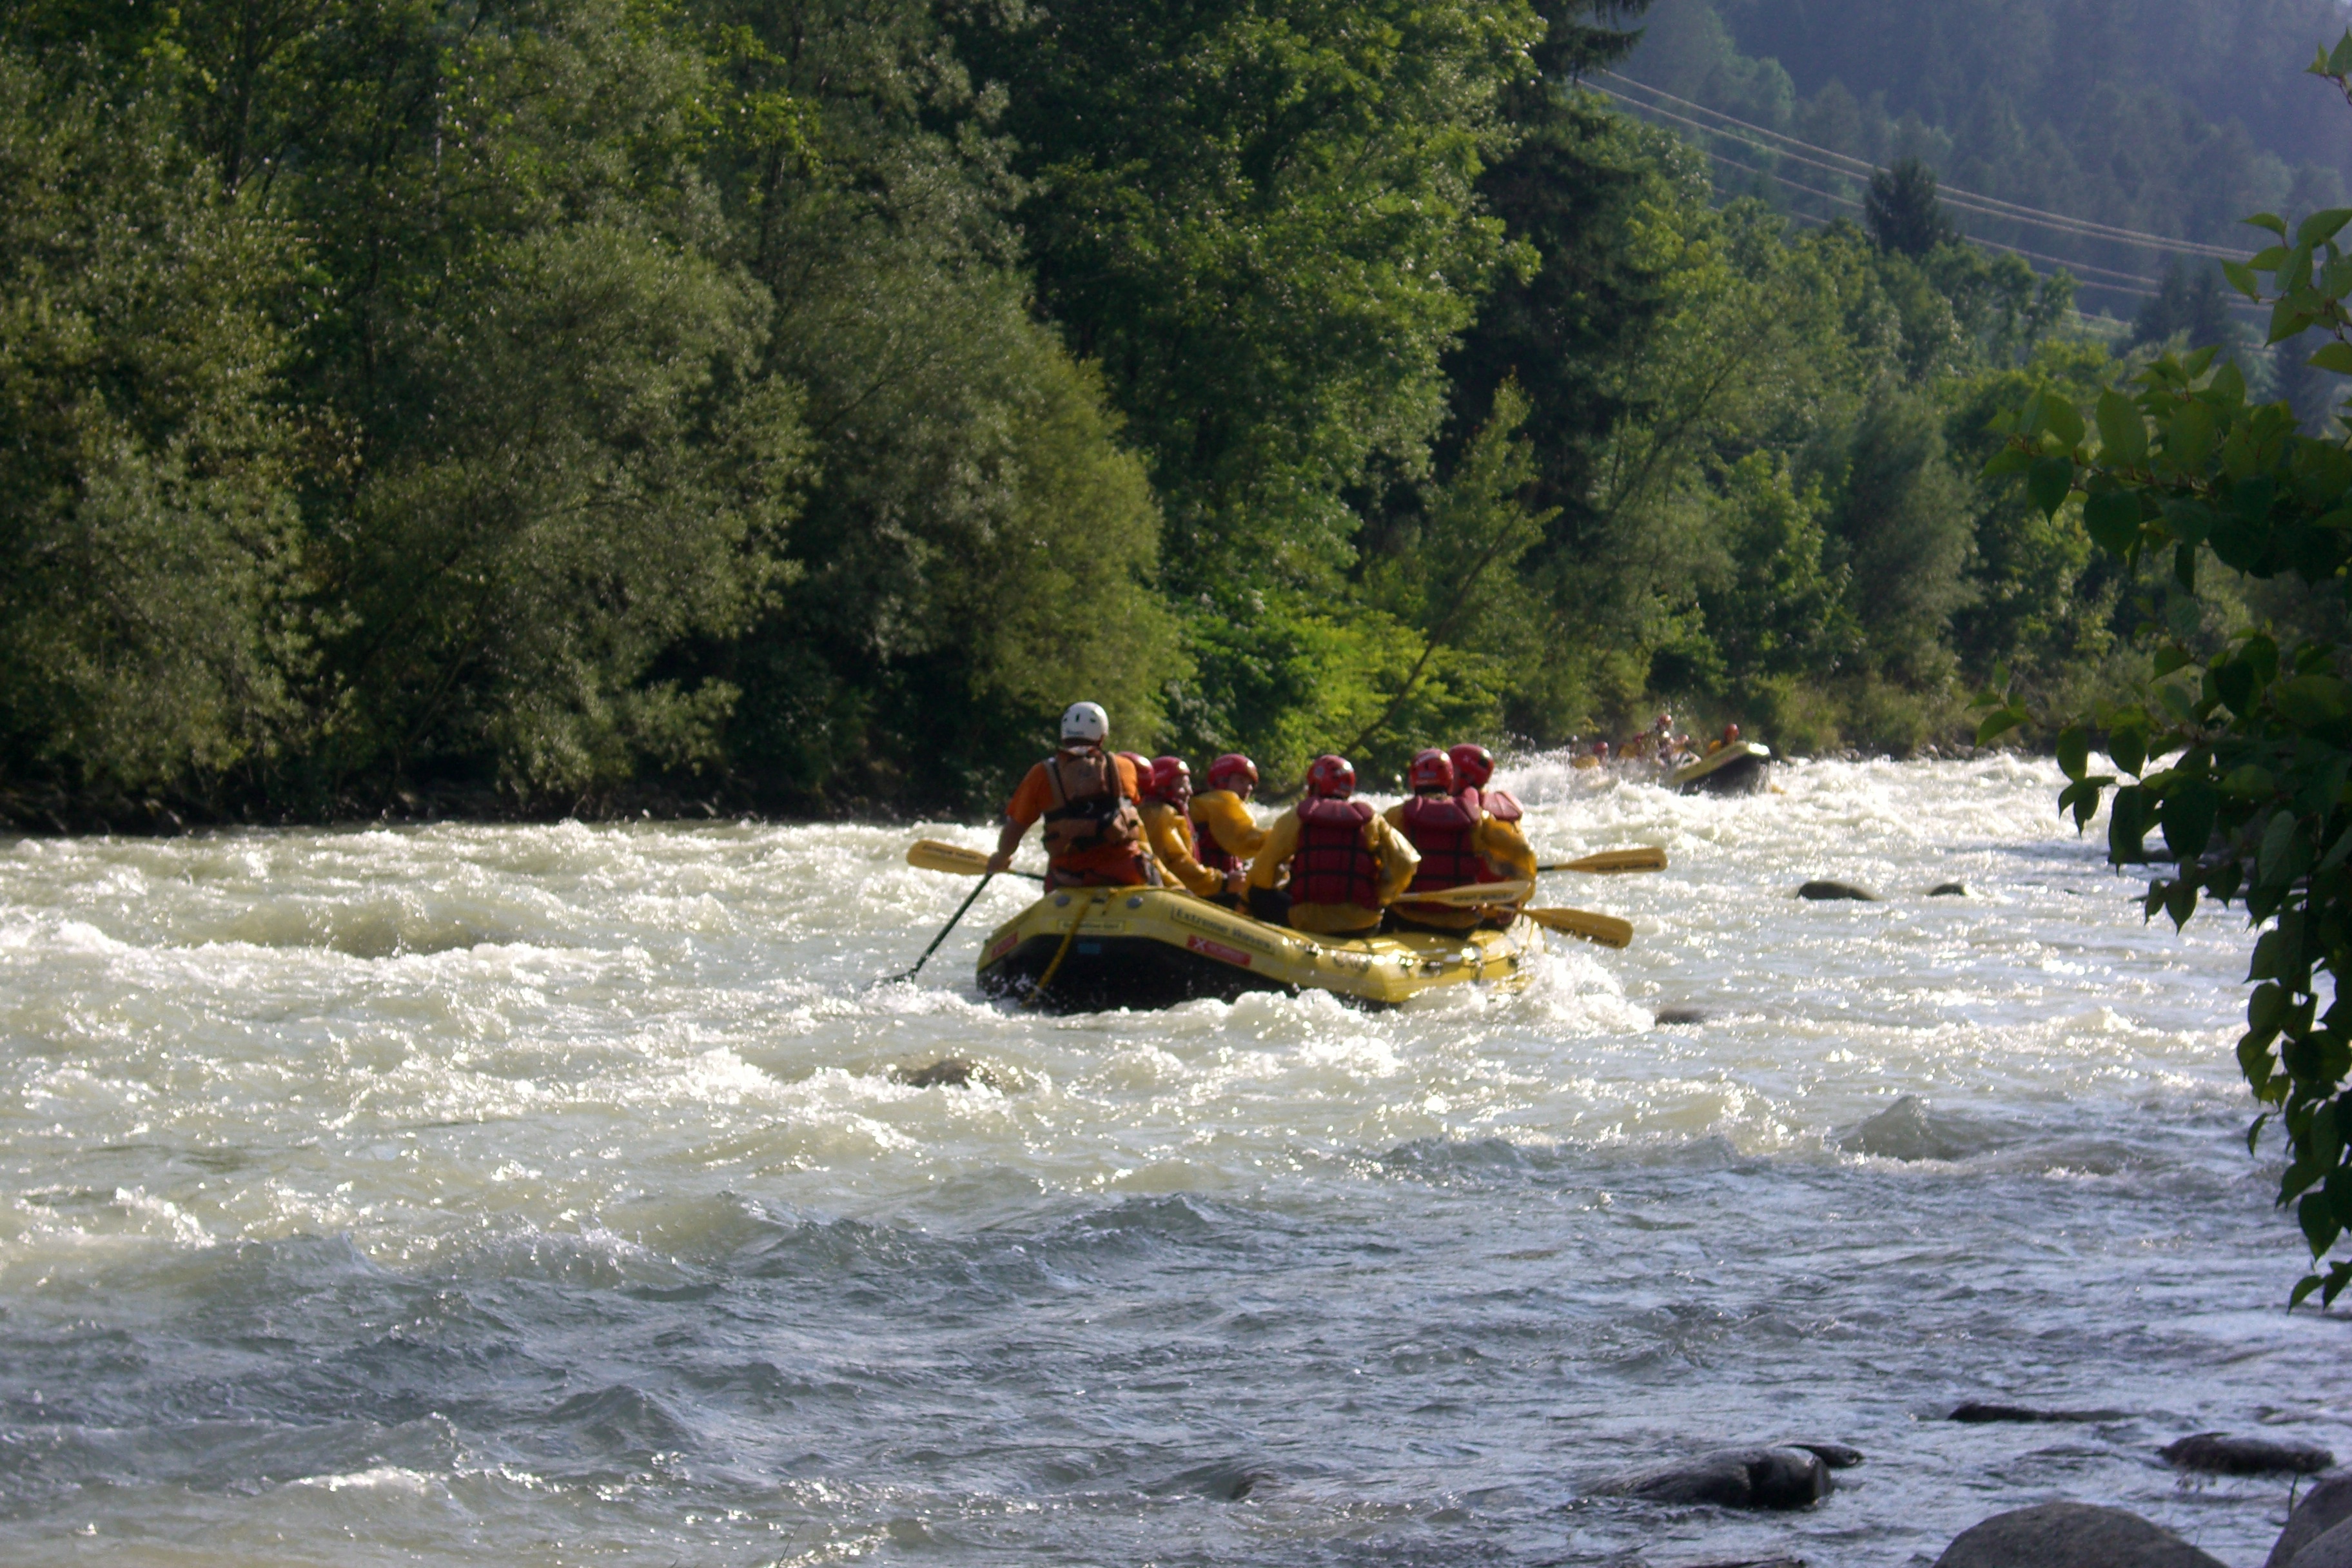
pixel 2277 837
pixel 2123 434
pixel 2074 752
pixel 2255 1130
pixel 1996 724
pixel 2310 701
pixel 2333 357
pixel 2316 1216
pixel 2189 436
pixel 2321 227
pixel 2047 484
pixel 2242 278
pixel 2189 810
pixel 2127 826
pixel 2112 520
pixel 2271 221
pixel 2287 318
pixel 2060 417
pixel 2339 58
pixel 2168 658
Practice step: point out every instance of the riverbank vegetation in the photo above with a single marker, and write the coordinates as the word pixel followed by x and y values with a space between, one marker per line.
pixel 791 404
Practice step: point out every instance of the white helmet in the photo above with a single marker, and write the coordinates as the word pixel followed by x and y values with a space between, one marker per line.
pixel 1085 721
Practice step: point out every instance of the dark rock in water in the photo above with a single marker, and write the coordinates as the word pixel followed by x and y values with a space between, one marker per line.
pixel 2332 1550
pixel 1827 890
pixel 2327 1505
pixel 1976 1411
pixel 2069 1535
pixel 1220 1483
pixel 1669 1016
pixel 1948 890
pixel 1762 1478
pixel 1907 1130
pixel 1836 1456
pixel 1753 1563
pixel 948 1072
pixel 2223 1455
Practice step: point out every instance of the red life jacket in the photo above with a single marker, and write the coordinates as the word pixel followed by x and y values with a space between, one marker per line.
pixel 1332 866
pixel 1440 827
pixel 1092 809
pixel 1495 802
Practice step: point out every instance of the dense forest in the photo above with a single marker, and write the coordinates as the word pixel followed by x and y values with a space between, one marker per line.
pixel 790 405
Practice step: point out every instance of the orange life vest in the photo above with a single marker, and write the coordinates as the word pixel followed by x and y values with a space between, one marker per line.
pixel 1091 809
pixel 1331 864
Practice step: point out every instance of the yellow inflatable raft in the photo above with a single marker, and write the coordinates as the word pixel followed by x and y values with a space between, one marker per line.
pixel 1151 947
pixel 1740 768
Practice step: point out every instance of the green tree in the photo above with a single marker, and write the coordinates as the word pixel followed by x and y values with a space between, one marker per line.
pixel 150 553
pixel 1904 214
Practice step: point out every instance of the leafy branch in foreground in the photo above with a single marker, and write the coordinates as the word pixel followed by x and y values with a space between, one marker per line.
pixel 2239 754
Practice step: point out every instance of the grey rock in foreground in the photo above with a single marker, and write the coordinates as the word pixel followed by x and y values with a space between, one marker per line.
pixel 2327 1505
pixel 1824 889
pixel 2069 1535
pixel 1775 1477
pixel 2220 1454
pixel 2332 1550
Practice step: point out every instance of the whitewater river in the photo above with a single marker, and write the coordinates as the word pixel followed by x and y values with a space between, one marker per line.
pixel 541 1195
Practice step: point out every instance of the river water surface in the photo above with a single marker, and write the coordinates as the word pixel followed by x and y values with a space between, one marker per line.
pixel 543 1195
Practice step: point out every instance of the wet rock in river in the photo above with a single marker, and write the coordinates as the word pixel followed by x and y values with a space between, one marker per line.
pixel 1821 889
pixel 1909 1129
pixel 948 1072
pixel 1778 1477
pixel 2218 1453
pixel 2069 1535
pixel 1670 1017
pixel 1948 890
pixel 2327 1505
pixel 1980 1412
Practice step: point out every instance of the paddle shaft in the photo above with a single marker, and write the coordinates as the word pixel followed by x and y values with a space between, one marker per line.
pixel 985 880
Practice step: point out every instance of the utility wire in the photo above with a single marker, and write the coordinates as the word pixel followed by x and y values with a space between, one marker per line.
pixel 2148 293
pixel 2014 211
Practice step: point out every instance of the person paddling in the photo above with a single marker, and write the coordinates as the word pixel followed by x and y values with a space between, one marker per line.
pixel 1345 863
pixel 1226 837
pixel 1088 801
pixel 1169 829
pixel 1458 840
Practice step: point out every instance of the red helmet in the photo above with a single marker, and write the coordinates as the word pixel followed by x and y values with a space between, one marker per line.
pixel 1172 779
pixel 1731 732
pixel 1473 765
pixel 1432 769
pixel 1234 772
pixel 1332 776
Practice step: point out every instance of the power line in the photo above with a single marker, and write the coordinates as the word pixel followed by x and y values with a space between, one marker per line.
pixel 2148 293
pixel 2013 211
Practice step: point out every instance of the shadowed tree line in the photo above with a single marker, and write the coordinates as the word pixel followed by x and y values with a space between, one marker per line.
pixel 575 405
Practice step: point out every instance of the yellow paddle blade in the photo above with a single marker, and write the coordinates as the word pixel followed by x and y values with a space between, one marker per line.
pixel 930 855
pixel 1471 895
pixel 1606 929
pixel 1615 862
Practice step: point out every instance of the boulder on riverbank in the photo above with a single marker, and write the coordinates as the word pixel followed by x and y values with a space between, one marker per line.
pixel 2325 1506
pixel 2220 1453
pixel 2332 1550
pixel 1774 1476
pixel 1821 888
pixel 2069 1535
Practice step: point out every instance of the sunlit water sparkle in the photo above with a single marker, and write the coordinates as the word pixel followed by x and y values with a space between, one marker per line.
pixel 541 1195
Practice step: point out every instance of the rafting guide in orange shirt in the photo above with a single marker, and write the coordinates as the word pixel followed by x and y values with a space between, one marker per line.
pixel 1090 802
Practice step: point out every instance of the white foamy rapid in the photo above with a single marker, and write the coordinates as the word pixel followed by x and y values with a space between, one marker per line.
pixel 543 1194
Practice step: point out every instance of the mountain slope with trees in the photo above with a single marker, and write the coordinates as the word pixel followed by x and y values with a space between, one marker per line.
pixel 566 404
